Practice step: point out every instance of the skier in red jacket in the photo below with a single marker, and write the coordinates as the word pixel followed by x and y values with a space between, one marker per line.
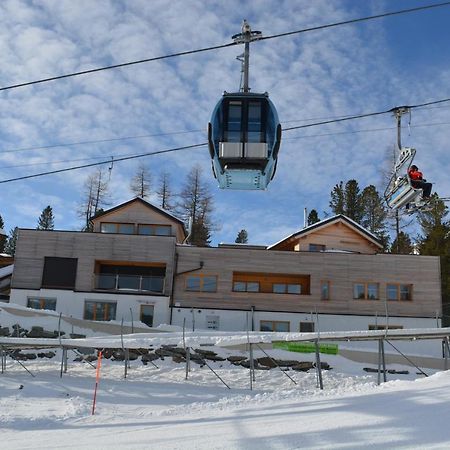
pixel 418 182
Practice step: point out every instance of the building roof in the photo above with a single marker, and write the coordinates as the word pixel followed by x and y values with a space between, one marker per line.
pixel 326 222
pixel 146 203
pixel 6 271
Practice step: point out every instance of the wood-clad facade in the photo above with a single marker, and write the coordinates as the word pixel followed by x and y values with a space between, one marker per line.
pixel 341 271
pixel 332 268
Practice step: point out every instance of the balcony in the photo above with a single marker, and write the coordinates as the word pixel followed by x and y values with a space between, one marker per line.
pixel 135 283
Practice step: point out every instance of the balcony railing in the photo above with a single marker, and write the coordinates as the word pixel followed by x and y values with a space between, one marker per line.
pixel 140 283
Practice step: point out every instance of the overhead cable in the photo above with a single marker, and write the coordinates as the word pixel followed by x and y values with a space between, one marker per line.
pixel 84 166
pixel 217 47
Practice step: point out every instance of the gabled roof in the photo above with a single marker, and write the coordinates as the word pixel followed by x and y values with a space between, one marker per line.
pixel 326 222
pixel 144 202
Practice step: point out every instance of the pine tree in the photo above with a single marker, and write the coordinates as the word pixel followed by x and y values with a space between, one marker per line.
pixel 436 242
pixel 141 182
pixel 3 237
pixel 374 214
pixel 164 192
pixel 196 206
pixel 347 200
pixel 242 237
pixel 10 247
pixel 337 202
pixel 313 217
pixel 46 220
pixel 402 244
pixel 353 203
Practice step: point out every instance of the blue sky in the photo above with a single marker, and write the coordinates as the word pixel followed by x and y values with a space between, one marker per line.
pixel 371 66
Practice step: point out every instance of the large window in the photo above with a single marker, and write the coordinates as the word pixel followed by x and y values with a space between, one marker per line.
pixel 121 228
pixel 201 283
pixel 274 325
pixel 59 273
pixel 154 230
pixel 42 303
pixel 366 291
pixel 270 283
pixel 399 292
pixel 101 311
pixel 134 278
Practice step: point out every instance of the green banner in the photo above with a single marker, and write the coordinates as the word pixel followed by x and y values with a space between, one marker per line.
pixel 306 347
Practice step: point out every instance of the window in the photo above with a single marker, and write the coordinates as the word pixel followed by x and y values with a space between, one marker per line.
pixel 42 303
pixel 325 290
pixel 201 283
pixel 399 292
pixel 272 325
pixel 306 327
pixel 284 288
pixel 233 125
pixel 366 291
pixel 155 230
pixel 59 272
pixel 383 327
pixel 121 228
pixel 147 312
pixel 246 286
pixel 270 283
pixel 101 311
pixel 316 248
pixel 136 278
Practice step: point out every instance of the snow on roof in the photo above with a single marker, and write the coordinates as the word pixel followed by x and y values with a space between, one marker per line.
pixel 7 270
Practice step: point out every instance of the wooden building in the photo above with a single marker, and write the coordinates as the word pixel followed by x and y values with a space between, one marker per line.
pixel 135 264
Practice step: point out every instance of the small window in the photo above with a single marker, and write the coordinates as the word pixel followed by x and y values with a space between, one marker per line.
pixel 399 292
pixel 245 286
pixel 100 311
pixel 239 286
pixel 366 291
pixel 294 288
pixel 284 288
pixel 201 283
pixel 306 327
pixel 325 290
pixel 279 288
pixel 155 230
pixel 372 291
pixel 383 327
pixel 271 325
pixel 316 248
pixel 121 228
pixel 391 292
pixel 42 303
pixel 359 291
pixel 108 228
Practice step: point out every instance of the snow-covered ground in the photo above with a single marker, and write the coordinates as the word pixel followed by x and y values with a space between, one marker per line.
pixel 156 408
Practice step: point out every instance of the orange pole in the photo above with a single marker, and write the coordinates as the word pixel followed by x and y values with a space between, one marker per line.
pixel 97 379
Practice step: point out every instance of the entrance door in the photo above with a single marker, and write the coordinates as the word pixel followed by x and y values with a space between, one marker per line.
pixel 147 314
